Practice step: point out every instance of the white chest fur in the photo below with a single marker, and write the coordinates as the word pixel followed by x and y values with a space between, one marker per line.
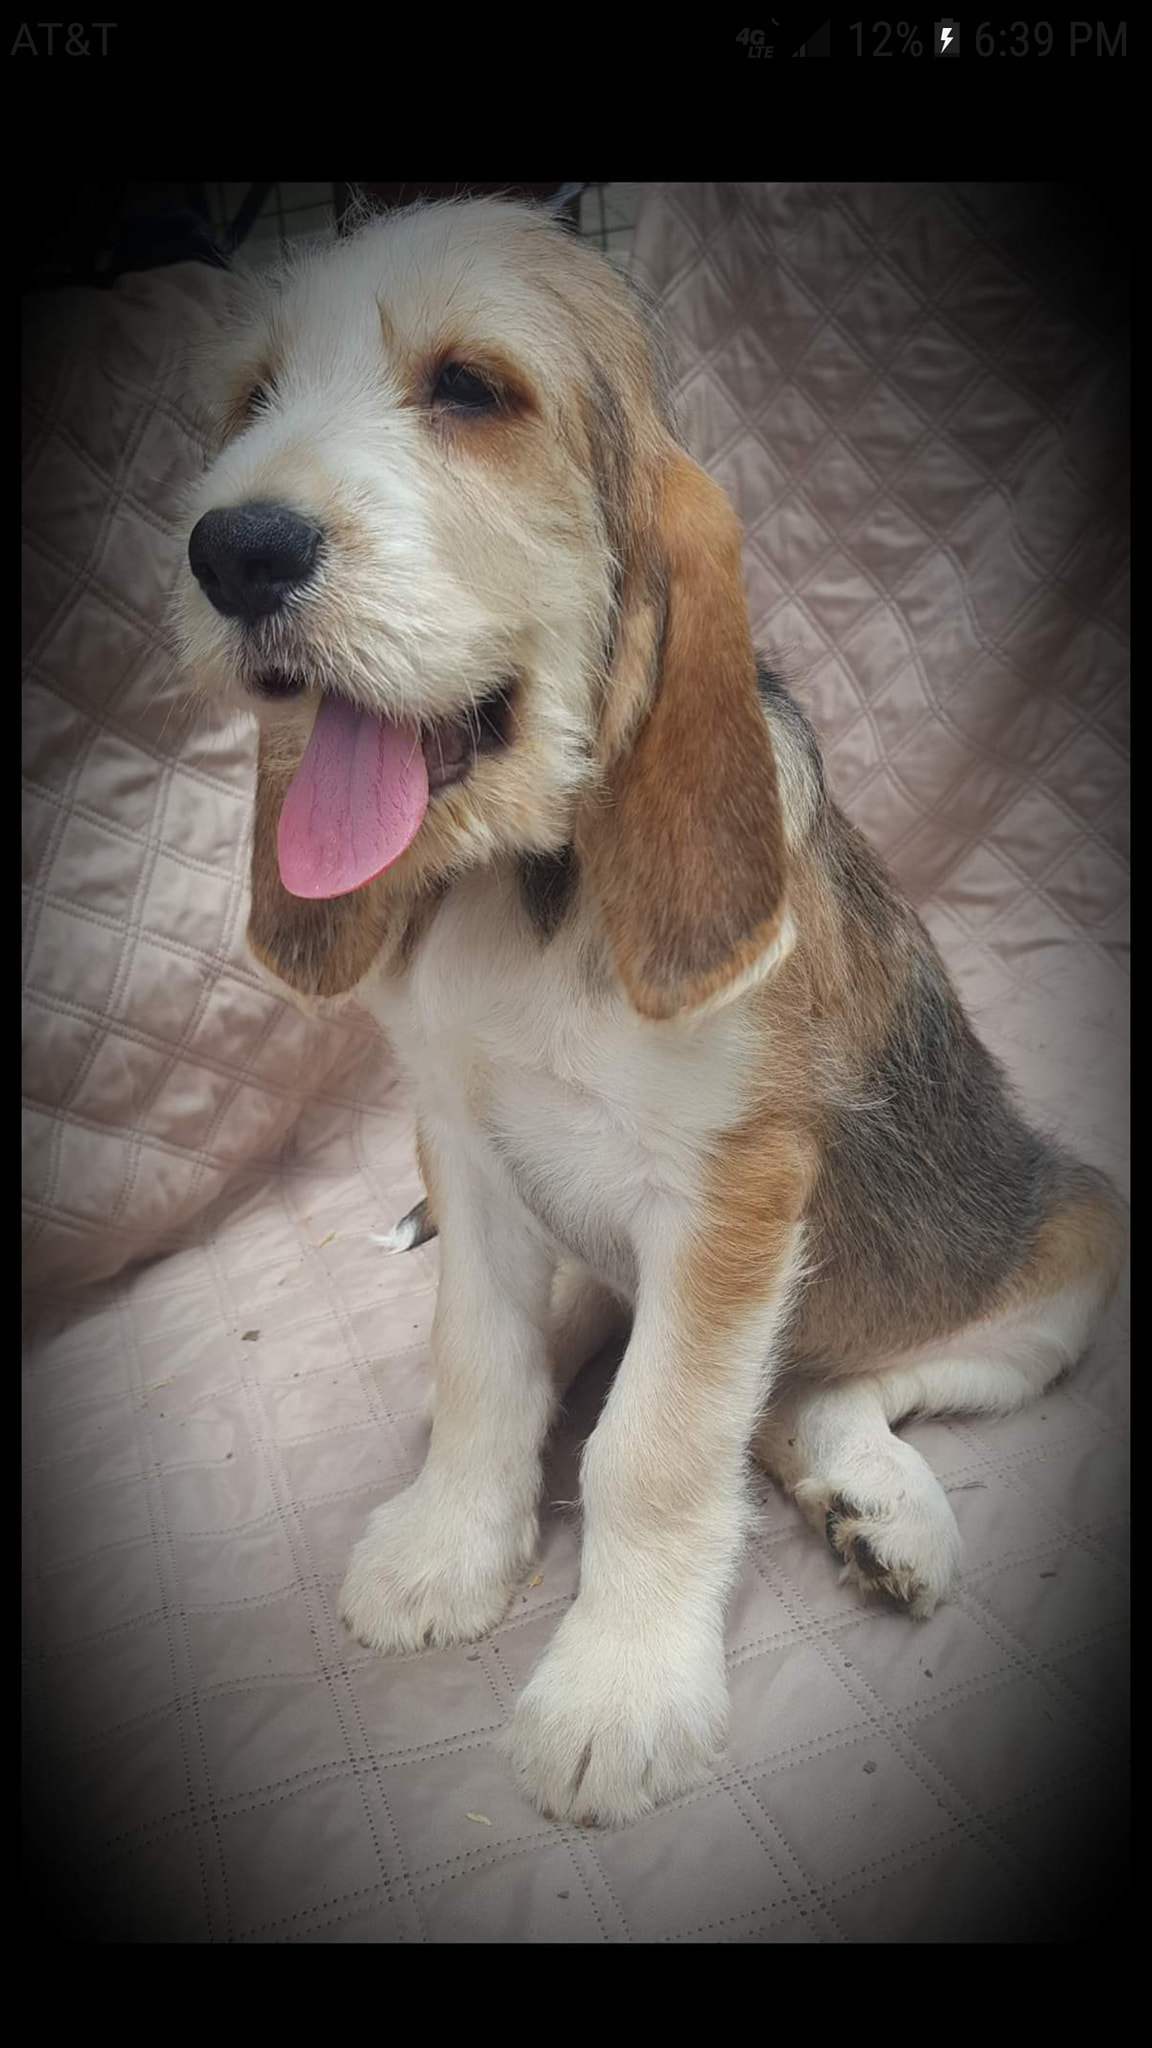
pixel 594 1119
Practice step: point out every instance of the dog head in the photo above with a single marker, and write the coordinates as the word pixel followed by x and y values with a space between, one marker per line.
pixel 480 603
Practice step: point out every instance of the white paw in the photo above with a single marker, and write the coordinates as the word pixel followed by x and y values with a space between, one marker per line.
pixel 888 1520
pixel 422 1576
pixel 608 1728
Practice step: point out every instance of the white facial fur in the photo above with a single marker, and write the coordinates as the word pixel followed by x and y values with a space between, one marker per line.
pixel 454 556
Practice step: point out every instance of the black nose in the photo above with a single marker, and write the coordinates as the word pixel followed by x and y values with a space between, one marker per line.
pixel 249 558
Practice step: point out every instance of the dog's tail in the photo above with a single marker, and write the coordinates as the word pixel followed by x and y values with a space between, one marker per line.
pixel 417 1227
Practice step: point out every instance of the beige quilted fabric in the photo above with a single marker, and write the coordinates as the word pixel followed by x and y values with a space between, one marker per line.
pixel 917 397
pixel 155 1062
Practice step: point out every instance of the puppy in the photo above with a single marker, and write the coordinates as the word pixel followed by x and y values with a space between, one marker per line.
pixel 670 1030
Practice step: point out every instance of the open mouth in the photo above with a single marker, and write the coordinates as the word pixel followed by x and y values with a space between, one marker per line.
pixel 451 745
pixel 358 798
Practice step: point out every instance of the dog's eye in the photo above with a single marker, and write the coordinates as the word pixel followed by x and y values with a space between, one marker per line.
pixel 464 390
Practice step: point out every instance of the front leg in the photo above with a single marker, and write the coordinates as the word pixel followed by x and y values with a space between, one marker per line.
pixel 630 1704
pixel 439 1563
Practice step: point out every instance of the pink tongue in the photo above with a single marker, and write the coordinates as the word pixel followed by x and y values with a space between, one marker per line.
pixel 355 802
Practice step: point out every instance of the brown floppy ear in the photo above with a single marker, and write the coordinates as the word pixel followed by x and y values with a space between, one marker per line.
pixel 685 847
pixel 317 948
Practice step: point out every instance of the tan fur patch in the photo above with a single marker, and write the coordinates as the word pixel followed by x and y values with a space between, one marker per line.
pixel 755 1194
pixel 687 852
pixel 513 391
pixel 849 970
pixel 1084 1238
pixel 639 637
pixel 424 1165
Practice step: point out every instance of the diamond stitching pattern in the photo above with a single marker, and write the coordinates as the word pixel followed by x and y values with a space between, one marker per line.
pixel 909 394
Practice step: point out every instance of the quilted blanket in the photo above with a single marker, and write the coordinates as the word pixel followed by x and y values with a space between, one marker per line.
pixel 917 397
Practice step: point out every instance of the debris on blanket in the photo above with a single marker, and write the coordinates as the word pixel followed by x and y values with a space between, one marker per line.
pixel 481 1817
pixel 321 1242
pixel 249 1336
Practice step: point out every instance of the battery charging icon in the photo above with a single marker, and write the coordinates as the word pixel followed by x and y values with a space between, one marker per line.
pixel 947 39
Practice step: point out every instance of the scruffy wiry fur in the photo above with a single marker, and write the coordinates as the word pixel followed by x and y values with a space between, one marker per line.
pixel 680 1054
pixel 932 1189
